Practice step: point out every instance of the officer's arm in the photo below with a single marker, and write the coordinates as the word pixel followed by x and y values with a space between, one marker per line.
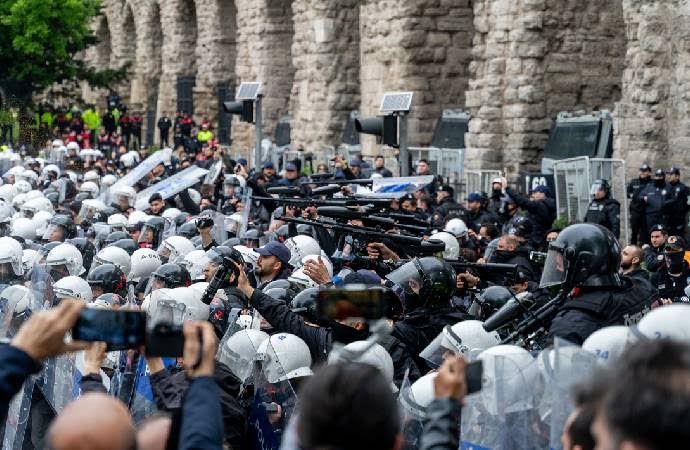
pixel 522 201
pixel 284 320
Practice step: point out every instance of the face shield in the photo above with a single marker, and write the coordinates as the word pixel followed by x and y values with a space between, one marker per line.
pixel 164 252
pixel 58 271
pixel 444 346
pixel 124 200
pixel 27 212
pixel 232 226
pixel 7 274
pixel 87 212
pixel 53 233
pixel 409 277
pixel 555 266
pixel 149 237
pixel 596 187
pixel 155 283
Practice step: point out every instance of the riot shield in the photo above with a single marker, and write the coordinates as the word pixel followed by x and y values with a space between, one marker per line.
pixel 18 417
pixel 59 381
pixel 503 415
pixel 41 285
pixel 413 409
pixel 238 349
pixel 213 173
pixel 562 367
pixel 273 402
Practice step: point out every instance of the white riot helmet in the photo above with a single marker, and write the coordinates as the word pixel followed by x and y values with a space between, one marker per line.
pixel 175 248
pixel 416 398
pixel 40 220
pixel 50 168
pixel 283 357
pixel 23 228
pixel 22 186
pixel 112 255
pixel 195 308
pixel 29 258
pixel 326 261
pixel 144 262
pixel 91 176
pixel 34 194
pixel 194 195
pixel 239 350
pixel 11 258
pixel 248 254
pixel 57 143
pixel 136 217
pixel 90 188
pixel 31 207
pixel 233 222
pixel 29 176
pixel 73 146
pixel 117 222
pixel 108 180
pixel 129 159
pixel 171 214
pixel 301 246
pixel 66 255
pixel 73 177
pixel 669 321
pixel 467 338
pixel 510 381
pixel 608 343
pixel 375 355
pixel 124 194
pixel 298 276
pixel 195 263
pixel 73 287
pixel 452 250
pixel 19 298
pixel 199 286
pixel 7 192
pixel 456 227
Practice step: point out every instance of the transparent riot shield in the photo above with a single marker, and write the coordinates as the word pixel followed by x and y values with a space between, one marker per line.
pixel 562 367
pixel 413 414
pixel 237 350
pixel 169 229
pixel 218 232
pixel 246 199
pixel 503 415
pixel 213 173
pixel 17 303
pixel 41 285
pixel 273 402
pixel 59 381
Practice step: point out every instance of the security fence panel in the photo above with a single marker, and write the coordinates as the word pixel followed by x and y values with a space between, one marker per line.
pixel 479 180
pixel 446 162
pixel 573 179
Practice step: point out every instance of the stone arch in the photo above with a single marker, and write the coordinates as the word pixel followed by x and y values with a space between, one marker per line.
pixel 103 50
pixel 215 51
pixel 265 33
pixel 532 60
pixel 423 46
pixel 325 53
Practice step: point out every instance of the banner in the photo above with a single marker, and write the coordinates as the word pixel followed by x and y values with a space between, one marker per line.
pixel 140 170
pixel 171 186
pixel 394 187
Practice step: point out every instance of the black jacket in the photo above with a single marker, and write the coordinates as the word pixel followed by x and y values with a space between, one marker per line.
pixel 541 213
pixel 593 309
pixel 15 366
pixel 634 191
pixel 670 286
pixel 605 212
pixel 475 220
pixel 654 258
pixel 442 426
pixel 658 202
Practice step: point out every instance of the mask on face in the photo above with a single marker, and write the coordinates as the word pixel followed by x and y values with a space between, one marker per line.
pixel 674 261
pixel 659 182
pixel 346 334
pixel 501 256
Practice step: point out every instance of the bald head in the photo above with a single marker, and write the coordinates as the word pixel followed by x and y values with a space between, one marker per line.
pixel 93 421
pixel 153 433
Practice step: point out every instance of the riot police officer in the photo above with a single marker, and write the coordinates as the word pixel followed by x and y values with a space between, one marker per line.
pixel 604 210
pixel 656 196
pixel 679 207
pixel 653 252
pixel 636 205
pixel 584 261
pixel 671 279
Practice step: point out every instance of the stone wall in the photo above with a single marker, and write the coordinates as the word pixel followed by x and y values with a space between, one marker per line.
pixel 514 64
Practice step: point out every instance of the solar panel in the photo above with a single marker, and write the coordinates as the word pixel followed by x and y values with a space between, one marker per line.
pixel 248 90
pixel 396 102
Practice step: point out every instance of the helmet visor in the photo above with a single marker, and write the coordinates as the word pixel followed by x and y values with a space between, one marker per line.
pixel 408 276
pixel 596 187
pixel 555 267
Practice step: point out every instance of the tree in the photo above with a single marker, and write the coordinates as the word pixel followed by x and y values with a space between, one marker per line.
pixel 39 44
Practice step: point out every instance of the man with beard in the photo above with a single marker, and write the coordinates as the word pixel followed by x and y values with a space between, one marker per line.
pixel 672 279
pixel 272 263
pixel 631 260
pixel 653 252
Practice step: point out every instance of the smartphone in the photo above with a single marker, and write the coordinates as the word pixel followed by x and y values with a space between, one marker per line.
pixel 119 329
pixel 473 376
pixel 362 302
pixel 165 339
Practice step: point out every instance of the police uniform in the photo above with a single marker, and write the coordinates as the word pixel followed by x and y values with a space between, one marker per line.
pixel 676 219
pixel 638 223
pixel 605 212
pixel 672 286
pixel 657 195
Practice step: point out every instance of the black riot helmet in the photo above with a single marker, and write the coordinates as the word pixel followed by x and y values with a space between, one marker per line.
pixel 521 227
pixel 188 230
pixel 127 244
pixel 107 279
pixel 231 242
pixel 87 250
pixel 304 304
pixel 218 254
pixel 69 230
pixel 251 238
pixel 583 254
pixel 428 282
pixel 304 229
pixel 277 284
pixel 280 294
pixel 152 232
pixel 115 236
pixel 283 233
pixel 172 275
pixel 490 301
pixel 600 185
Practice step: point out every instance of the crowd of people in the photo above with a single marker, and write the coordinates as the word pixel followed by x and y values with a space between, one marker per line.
pixel 245 263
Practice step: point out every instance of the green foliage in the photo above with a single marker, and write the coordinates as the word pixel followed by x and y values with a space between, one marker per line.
pixel 40 41
pixel 560 223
